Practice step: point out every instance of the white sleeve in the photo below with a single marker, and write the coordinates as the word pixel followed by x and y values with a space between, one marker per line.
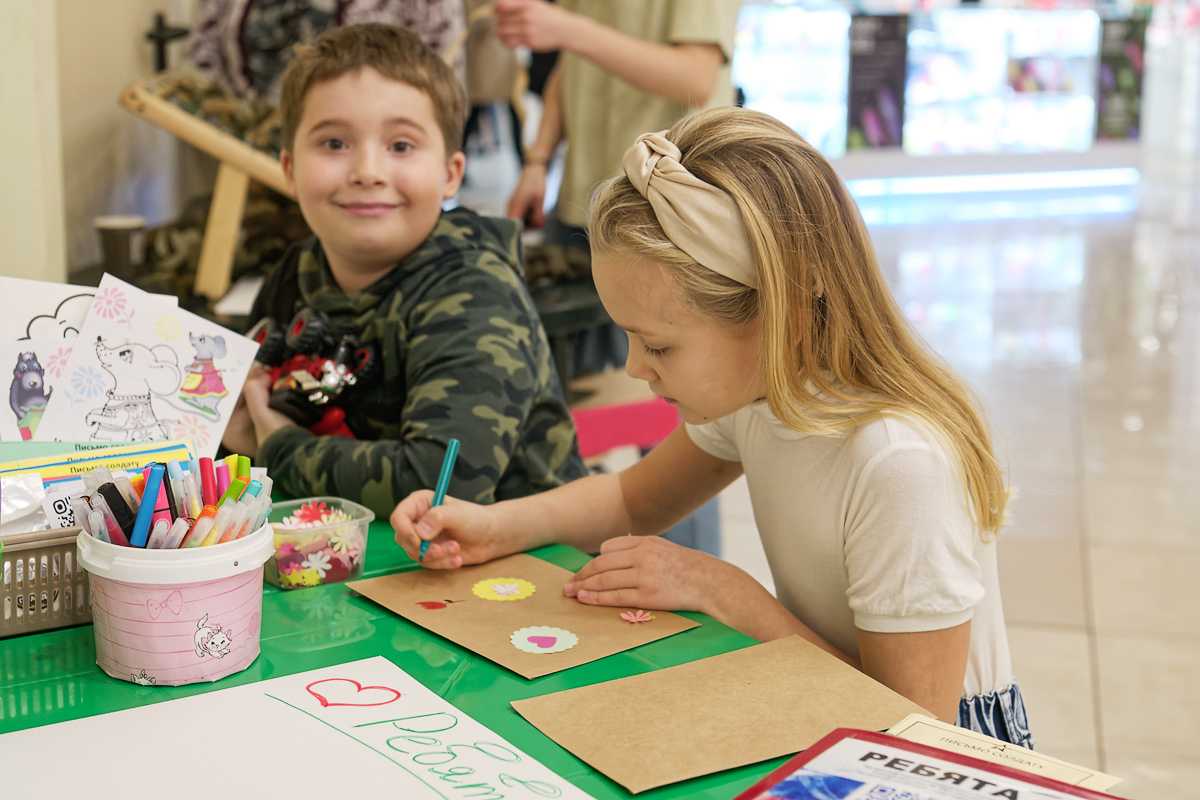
pixel 715 438
pixel 910 544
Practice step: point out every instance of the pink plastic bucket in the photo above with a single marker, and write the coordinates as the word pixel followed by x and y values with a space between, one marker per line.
pixel 170 617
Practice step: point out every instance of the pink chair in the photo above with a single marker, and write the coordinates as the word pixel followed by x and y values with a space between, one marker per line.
pixel 643 424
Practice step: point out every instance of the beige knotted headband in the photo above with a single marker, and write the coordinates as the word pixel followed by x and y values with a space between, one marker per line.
pixel 698 218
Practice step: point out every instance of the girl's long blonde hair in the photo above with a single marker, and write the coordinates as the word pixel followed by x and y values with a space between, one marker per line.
pixel 837 351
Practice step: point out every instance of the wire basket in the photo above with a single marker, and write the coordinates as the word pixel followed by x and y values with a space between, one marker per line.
pixel 42 585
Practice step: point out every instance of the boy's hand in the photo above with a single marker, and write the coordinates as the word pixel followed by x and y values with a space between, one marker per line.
pixel 528 200
pixel 257 393
pixel 239 433
pixel 534 24
pixel 652 573
pixel 459 533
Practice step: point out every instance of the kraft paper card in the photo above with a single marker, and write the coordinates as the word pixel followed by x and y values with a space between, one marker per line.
pixel 718 713
pixel 513 612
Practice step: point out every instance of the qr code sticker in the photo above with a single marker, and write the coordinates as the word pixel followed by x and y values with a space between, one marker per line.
pixel 59 512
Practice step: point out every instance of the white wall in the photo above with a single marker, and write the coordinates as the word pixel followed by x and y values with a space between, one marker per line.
pixel 31 211
pixel 112 162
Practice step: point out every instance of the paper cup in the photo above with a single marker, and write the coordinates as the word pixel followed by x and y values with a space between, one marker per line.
pixel 172 617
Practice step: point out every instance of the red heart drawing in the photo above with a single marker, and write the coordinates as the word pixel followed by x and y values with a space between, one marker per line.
pixel 358 690
pixel 432 605
pixel 544 642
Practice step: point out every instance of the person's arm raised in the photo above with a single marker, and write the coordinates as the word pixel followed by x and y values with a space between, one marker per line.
pixel 527 202
pixel 685 73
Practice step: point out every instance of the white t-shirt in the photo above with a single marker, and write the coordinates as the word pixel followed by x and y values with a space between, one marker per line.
pixel 871 530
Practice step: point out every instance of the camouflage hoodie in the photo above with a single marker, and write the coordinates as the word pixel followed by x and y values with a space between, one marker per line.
pixel 463 356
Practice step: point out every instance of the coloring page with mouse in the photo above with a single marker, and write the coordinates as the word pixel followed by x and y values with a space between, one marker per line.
pixel 143 372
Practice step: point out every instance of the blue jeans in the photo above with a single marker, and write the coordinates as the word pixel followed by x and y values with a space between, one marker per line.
pixel 700 531
pixel 1000 715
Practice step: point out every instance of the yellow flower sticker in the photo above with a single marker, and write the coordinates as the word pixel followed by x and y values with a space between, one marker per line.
pixel 504 590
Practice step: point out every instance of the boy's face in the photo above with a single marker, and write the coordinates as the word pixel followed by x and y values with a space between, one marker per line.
pixel 704 368
pixel 370 169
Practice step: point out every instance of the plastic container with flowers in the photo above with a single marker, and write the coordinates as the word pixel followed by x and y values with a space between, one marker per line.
pixel 318 540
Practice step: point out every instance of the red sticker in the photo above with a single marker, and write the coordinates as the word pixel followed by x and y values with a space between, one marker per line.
pixel 374 695
pixel 434 605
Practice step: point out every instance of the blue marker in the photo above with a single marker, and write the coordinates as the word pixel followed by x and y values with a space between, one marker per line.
pixel 141 524
pixel 443 483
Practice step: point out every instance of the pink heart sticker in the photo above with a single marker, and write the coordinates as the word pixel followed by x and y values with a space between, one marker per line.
pixel 363 696
pixel 544 642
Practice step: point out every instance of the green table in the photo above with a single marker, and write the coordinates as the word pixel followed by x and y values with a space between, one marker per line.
pixel 52 677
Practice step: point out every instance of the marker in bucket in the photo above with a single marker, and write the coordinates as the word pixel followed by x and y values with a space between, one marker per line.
pixel 116 504
pixel 232 492
pixel 115 534
pixel 176 534
pixel 125 487
pixel 208 482
pixel 222 478
pixel 96 520
pixel 177 495
pixel 137 483
pixel 158 535
pixel 220 523
pixel 146 511
pixel 200 527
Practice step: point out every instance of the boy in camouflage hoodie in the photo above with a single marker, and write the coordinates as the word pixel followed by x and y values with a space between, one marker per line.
pixel 372 129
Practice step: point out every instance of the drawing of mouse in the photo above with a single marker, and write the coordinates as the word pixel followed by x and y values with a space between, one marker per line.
pixel 27 395
pixel 138 373
pixel 211 640
pixel 203 388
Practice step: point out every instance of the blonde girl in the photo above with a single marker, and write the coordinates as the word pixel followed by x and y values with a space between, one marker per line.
pixel 736 261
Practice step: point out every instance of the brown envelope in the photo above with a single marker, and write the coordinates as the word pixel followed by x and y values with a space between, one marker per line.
pixel 726 711
pixel 486 626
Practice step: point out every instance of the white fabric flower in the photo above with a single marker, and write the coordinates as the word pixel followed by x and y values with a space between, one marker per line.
pixel 318 561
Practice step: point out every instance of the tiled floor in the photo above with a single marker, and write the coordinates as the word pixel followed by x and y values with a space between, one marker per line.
pixel 1081 336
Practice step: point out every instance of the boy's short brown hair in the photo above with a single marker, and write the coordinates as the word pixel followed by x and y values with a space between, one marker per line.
pixel 394 53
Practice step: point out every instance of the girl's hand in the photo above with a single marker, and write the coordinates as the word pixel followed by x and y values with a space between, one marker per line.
pixel 459 533
pixel 652 573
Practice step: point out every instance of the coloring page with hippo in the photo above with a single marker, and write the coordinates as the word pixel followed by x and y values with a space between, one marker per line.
pixel 38 327
pixel 142 372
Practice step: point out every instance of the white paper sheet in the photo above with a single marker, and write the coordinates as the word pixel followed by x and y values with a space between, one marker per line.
pixel 141 372
pixel 42 319
pixel 361 729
